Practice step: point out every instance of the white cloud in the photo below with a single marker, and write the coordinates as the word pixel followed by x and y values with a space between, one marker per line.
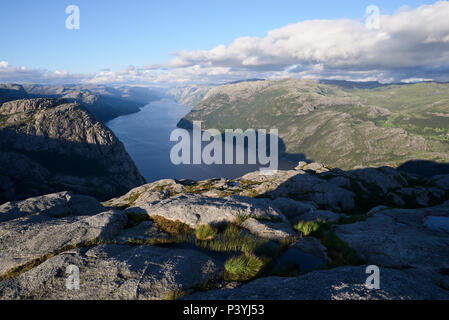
pixel 410 44
pixel 408 41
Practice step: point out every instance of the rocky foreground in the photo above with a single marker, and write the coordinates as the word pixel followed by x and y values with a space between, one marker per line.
pixel 307 233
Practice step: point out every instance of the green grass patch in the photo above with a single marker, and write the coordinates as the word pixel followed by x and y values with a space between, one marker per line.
pixel 232 239
pixel 242 268
pixel 241 218
pixel 148 242
pixel 307 227
pixel 165 188
pixel 129 202
pixel 174 294
pixel 205 232
pixel 199 188
pixel 176 229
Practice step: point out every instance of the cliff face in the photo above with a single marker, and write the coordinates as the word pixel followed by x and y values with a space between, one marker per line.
pixel 49 145
pixel 189 96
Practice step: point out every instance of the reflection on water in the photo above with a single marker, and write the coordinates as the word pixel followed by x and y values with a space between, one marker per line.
pixel 146 136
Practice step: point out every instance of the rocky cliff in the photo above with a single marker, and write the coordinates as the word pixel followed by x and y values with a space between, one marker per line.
pixel 50 145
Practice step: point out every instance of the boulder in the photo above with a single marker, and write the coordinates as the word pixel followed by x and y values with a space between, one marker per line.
pixel 311 188
pixel 195 210
pixel 400 238
pixel 312 246
pixel 27 238
pixel 148 193
pixel 316 167
pixel 292 208
pixel 385 178
pixel 323 215
pixel 344 283
pixel 114 272
pixel 52 205
pixel 442 181
pixel 144 231
pixel 268 230
pixel 301 165
pixel 437 223
pixel 340 181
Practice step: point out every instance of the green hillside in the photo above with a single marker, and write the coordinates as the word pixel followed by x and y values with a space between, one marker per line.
pixel 342 127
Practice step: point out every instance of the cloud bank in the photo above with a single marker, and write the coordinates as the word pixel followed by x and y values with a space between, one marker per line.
pixel 407 46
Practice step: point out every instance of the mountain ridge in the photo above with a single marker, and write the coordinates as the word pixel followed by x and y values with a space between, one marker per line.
pixel 340 126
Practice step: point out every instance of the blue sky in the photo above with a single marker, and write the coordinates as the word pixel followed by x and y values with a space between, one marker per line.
pixel 115 34
pixel 174 42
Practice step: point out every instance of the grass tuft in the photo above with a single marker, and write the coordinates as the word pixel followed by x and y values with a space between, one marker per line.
pixel 242 268
pixel 176 229
pixel 233 240
pixel 307 227
pixel 241 218
pixel 205 232
pixel 174 294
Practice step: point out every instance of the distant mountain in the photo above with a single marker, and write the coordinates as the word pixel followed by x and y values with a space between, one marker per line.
pixel 245 80
pixel 50 145
pixel 10 92
pixel 106 103
pixel 189 96
pixel 341 124
pixel 354 84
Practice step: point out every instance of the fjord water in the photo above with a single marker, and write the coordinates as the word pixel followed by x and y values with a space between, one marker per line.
pixel 146 136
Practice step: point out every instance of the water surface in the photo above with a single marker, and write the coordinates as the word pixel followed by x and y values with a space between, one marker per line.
pixel 146 136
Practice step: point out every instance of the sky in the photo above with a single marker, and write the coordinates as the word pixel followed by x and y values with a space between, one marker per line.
pixel 182 42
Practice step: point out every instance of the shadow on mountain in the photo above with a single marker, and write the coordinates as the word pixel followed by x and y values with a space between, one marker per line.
pixel 286 161
pixel 32 165
pixel 424 168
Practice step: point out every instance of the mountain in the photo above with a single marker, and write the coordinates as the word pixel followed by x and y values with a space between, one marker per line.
pixel 189 96
pixel 105 102
pixel 49 145
pixel 11 92
pixel 338 124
